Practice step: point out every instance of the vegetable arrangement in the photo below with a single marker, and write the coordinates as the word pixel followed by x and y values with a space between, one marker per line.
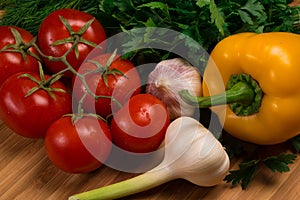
pixel 201 160
pixel 84 107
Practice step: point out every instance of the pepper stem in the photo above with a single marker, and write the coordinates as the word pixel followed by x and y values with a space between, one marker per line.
pixel 242 94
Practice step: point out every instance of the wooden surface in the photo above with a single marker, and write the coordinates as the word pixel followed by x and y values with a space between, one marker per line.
pixel 26 173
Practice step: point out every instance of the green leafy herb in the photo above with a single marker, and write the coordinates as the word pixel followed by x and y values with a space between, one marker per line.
pixel 216 15
pixel 244 175
pixel 296 143
pixel 252 7
pixel 29 14
pixel 280 163
pixel 247 169
pixel 206 21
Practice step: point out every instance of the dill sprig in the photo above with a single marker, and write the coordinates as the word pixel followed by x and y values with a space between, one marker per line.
pixel 29 14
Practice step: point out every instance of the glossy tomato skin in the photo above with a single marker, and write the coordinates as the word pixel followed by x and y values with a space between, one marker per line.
pixel 31 116
pixel 13 62
pixel 52 29
pixel 121 87
pixel 66 144
pixel 140 125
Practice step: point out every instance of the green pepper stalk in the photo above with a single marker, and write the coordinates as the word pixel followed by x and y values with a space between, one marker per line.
pixel 243 95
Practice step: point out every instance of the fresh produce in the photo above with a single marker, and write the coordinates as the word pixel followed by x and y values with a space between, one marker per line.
pixel 63 28
pixel 261 75
pixel 191 153
pixel 16 52
pixel 30 103
pixel 140 125
pixel 207 22
pixel 168 78
pixel 107 82
pixel 78 146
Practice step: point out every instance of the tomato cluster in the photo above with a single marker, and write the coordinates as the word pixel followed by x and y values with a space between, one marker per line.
pixel 80 107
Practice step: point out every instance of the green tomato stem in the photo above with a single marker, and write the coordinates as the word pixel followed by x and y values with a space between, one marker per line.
pixel 131 186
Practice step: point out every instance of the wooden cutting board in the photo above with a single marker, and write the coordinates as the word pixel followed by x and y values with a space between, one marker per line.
pixel 26 173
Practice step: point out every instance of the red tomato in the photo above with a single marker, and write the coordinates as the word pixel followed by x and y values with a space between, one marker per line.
pixel 52 29
pixel 78 148
pixel 121 87
pixel 140 125
pixel 31 116
pixel 14 62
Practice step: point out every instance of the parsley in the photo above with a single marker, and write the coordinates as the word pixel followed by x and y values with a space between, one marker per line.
pixel 206 21
pixel 280 162
pixel 216 15
pixel 296 143
pixel 251 8
pixel 244 175
pixel 247 169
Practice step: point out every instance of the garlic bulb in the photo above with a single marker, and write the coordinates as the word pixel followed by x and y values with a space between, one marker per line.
pixel 191 153
pixel 168 78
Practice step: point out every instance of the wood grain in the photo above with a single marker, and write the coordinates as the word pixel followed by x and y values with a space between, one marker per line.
pixel 26 173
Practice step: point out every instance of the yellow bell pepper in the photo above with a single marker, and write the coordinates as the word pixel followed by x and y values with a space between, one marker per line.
pixel 260 74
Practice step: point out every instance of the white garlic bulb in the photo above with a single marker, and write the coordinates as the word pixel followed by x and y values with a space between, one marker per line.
pixel 168 78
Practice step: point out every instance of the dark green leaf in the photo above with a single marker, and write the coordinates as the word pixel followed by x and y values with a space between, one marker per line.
pixel 280 162
pixel 216 16
pixel 245 17
pixel 254 7
pixel 296 143
pixel 244 174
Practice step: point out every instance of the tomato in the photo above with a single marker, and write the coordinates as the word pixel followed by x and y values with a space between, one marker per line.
pixel 14 62
pixel 120 81
pixel 78 148
pixel 140 125
pixel 31 116
pixel 52 29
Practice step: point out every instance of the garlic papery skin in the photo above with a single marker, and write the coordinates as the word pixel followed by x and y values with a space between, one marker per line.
pixel 191 153
pixel 168 78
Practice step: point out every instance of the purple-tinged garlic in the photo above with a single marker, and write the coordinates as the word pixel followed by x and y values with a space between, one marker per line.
pixel 168 78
